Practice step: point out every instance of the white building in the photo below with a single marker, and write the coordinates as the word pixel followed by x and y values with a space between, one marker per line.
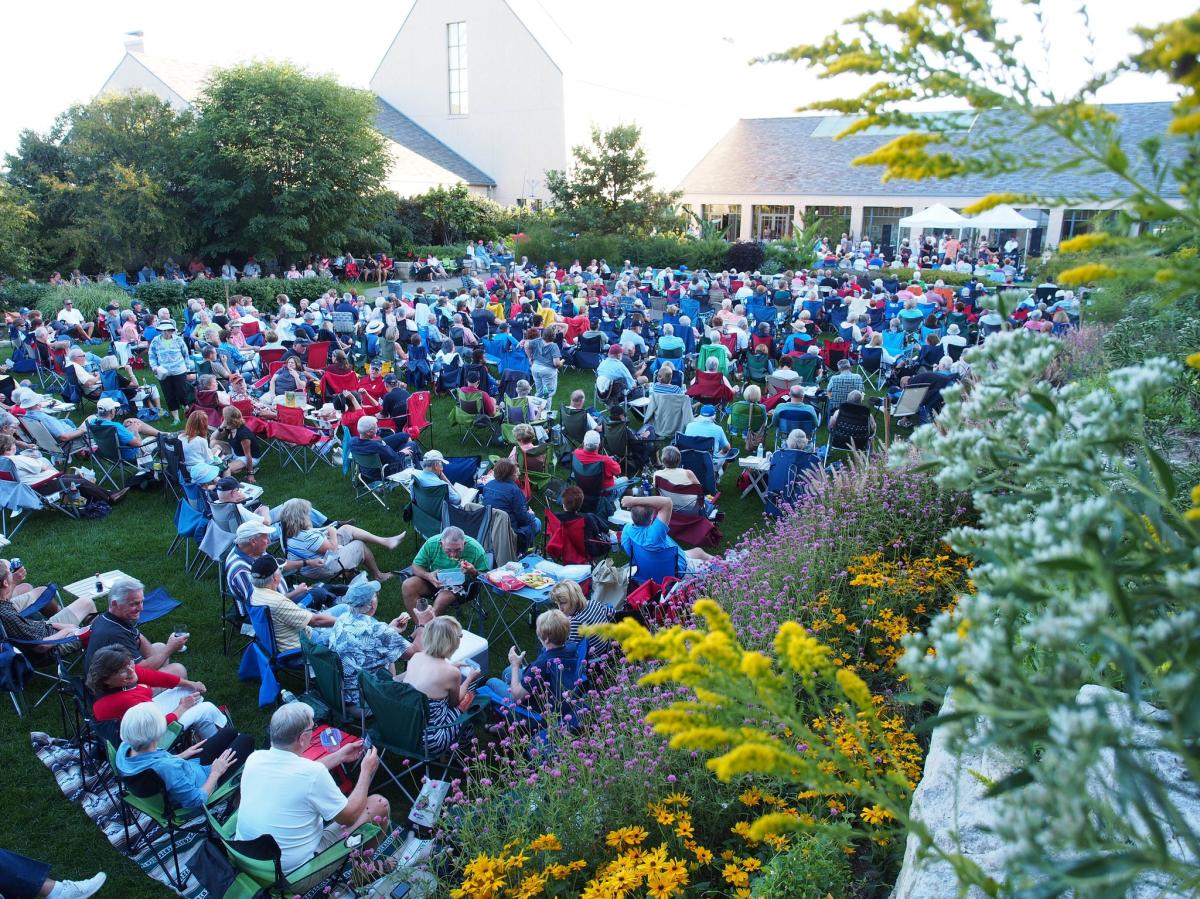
pixel 494 93
pixel 420 161
pixel 765 176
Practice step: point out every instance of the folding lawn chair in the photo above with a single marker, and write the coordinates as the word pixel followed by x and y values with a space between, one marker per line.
pixel 398 728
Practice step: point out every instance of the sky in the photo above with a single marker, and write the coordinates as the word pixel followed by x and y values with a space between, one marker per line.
pixel 695 51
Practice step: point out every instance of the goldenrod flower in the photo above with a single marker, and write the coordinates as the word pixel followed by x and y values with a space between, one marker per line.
pixel 1081 243
pixel 1085 274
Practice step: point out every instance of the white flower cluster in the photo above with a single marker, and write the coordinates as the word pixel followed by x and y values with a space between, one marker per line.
pixel 1085 574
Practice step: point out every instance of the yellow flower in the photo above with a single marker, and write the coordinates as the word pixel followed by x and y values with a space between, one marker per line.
pixel 991 201
pixel 532 885
pixel 1193 361
pixel 1085 274
pixel 684 827
pixel 703 855
pixel 751 797
pixel 547 842
pixel 876 814
pixel 1081 243
pixel 626 836
pixel 677 799
pixel 854 688
pixel 735 876
pixel 751 864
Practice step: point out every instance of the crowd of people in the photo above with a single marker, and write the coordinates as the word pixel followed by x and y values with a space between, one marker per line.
pixel 682 362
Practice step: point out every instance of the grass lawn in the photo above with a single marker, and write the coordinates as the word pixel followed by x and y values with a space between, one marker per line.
pixel 40 822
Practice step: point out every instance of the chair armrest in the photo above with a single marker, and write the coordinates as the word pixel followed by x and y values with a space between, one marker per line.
pixel 335 853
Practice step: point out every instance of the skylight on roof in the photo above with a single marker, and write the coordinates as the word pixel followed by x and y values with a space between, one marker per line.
pixel 832 126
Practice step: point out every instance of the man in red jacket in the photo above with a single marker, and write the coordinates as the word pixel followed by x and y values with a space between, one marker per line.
pixel 590 452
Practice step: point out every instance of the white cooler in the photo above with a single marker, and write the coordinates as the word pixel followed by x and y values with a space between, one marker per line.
pixel 474 648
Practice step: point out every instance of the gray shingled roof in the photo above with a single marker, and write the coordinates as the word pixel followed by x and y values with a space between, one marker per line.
pixel 782 156
pixel 427 156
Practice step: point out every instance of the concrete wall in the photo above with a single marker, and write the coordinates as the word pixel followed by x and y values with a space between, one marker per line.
pixel 515 125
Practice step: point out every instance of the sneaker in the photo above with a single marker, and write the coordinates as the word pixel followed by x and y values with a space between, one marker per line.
pixel 80 889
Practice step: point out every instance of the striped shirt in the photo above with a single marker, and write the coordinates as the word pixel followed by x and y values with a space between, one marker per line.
pixel 593 613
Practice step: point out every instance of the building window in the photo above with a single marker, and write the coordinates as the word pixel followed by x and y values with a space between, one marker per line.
pixel 726 217
pixel 534 203
pixel 456 66
pixel 881 225
pixel 1081 221
pixel 773 222
pixel 835 221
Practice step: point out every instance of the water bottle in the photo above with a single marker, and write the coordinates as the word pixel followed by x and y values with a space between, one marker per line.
pixel 645 486
pixel 99 584
pixel 287 696
pixel 759 451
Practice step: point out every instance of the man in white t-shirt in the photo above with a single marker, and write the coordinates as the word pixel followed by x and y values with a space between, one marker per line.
pixel 73 319
pixel 296 800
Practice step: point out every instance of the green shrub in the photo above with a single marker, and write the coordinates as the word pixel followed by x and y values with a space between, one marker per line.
pixel 262 291
pixel 161 293
pixel 745 256
pixel 544 242
pixel 706 253
pixel 17 295
pixel 444 253
pixel 88 299
pixel 814 868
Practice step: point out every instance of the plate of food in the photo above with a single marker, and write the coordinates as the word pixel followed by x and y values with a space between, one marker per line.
pixel 535 580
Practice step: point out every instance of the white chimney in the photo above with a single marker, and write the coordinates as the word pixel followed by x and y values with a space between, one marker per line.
pixel 135 42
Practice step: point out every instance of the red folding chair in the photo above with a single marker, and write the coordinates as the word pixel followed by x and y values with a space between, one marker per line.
pixel 250 327
pixel 272 367
pixel 318 355
pixel 333 383
pixel 710 387
pixel 566 543
pixel 832 351
pixel 297 445
pixel 290 415
pixel 267 358
pixel 418 414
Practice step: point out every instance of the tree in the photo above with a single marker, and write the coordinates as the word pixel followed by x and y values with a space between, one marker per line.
pixel 106 182
pixel 610 188
pixel 283 163
pixel 17 226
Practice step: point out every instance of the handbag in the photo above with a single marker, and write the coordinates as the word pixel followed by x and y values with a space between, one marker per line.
pixel 609 583
pixel 754 439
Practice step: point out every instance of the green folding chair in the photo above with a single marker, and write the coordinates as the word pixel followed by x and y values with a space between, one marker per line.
pixel 377 487
pixel 399 725
pixel 145 792
pixel 259 859
pixel 324 678
pixel 426 505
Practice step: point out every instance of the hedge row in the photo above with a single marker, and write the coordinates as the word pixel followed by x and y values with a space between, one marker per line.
pixel 262 291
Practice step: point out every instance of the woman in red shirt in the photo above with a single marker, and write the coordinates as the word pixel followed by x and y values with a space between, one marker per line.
pixel 119 684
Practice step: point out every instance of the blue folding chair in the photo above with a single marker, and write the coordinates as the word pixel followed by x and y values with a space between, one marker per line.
pixel 655 564
pixel 789 419
pixel 786 476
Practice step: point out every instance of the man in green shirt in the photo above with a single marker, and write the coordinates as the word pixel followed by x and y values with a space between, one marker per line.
pixel 444 568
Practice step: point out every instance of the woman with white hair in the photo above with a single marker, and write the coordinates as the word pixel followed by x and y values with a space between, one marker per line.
pixel 327 552
pixel 189 777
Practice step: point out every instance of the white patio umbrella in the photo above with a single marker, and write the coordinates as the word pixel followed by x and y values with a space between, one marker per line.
pixel 1004 217
pixel 936 216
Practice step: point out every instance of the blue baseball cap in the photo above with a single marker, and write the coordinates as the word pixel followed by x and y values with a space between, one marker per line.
pixel 708 411
pixel 359 593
